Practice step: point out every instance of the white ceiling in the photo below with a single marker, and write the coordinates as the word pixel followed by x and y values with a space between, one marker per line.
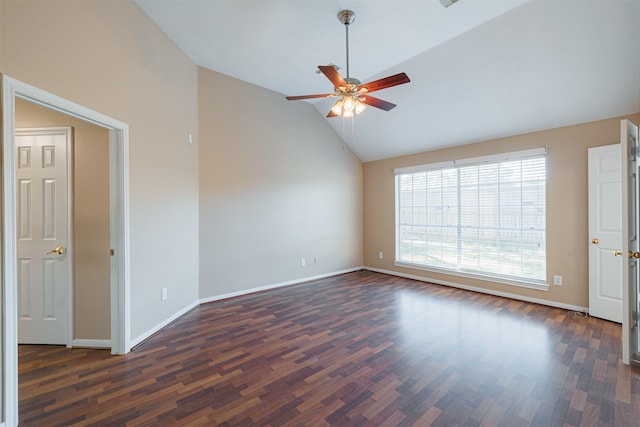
pixel 479 69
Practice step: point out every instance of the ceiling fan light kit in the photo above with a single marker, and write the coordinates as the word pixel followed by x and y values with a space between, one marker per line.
pixel 353 95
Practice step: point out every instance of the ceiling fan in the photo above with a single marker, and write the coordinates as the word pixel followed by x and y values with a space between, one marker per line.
pixel 353 94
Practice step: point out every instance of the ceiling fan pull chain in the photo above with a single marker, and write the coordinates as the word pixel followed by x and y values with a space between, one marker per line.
pixel 353 134
pixel 344 126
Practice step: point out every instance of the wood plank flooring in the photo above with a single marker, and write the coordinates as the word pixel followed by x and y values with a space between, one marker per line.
pixel 361 349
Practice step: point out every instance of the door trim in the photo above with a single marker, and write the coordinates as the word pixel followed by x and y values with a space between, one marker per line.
pixel 630 170
pixel 119 224
pixel 68 133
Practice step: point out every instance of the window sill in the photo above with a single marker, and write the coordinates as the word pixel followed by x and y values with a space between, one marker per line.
pixel 539 286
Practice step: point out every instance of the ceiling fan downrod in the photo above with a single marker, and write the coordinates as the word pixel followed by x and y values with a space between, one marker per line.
pixel 347 17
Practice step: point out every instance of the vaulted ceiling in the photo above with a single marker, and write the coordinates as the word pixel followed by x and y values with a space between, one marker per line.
pixel 479 69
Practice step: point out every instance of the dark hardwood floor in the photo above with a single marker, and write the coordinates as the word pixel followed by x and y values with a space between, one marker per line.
pixel 357 349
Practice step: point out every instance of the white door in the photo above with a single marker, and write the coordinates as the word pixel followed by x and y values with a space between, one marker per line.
pixel 605 233
pixel 630 244
pixel 43 235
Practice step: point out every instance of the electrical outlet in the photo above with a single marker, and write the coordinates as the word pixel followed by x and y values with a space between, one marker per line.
pixel 557 280
pixel 163 295
pixel 381 255
pixel 315 259
pixel 303 262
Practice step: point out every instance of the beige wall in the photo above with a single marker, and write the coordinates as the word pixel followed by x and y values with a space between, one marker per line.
pixel 110 57
pixel 2 385
pixel 1 61
pixel 567 215
pixel 276 185
pixel 91 289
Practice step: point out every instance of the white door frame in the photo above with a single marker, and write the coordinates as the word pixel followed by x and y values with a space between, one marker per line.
pixel 630 238
pixel 119 224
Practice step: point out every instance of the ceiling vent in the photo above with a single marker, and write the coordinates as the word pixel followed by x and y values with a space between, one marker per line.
pixel 447 3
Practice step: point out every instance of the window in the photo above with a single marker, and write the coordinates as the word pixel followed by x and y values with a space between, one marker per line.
pixel 483 216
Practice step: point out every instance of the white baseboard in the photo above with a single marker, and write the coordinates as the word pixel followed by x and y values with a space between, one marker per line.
pixel 145 335
pixel 481 290
pixel 91 343
pixel 276 285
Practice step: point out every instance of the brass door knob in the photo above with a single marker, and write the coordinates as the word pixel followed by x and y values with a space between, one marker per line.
pixel 59 250
pixel 595 241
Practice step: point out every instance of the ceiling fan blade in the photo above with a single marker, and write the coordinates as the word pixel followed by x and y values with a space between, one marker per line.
pixel 377 102
pixel 332 114
pixel 333 75
pixel 322 95
pixel 395 80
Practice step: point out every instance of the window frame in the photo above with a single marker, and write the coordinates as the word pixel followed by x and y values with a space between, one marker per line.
pixel 531 283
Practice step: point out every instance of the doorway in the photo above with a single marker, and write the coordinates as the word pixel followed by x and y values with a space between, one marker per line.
pixel 119 227
pixel 85 258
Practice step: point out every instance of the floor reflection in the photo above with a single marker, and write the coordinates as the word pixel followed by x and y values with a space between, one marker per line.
pixel 460 331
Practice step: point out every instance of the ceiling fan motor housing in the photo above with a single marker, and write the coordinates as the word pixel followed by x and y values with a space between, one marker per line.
pixel 352 81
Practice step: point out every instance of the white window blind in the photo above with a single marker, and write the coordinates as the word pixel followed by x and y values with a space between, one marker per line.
pixel 485 217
